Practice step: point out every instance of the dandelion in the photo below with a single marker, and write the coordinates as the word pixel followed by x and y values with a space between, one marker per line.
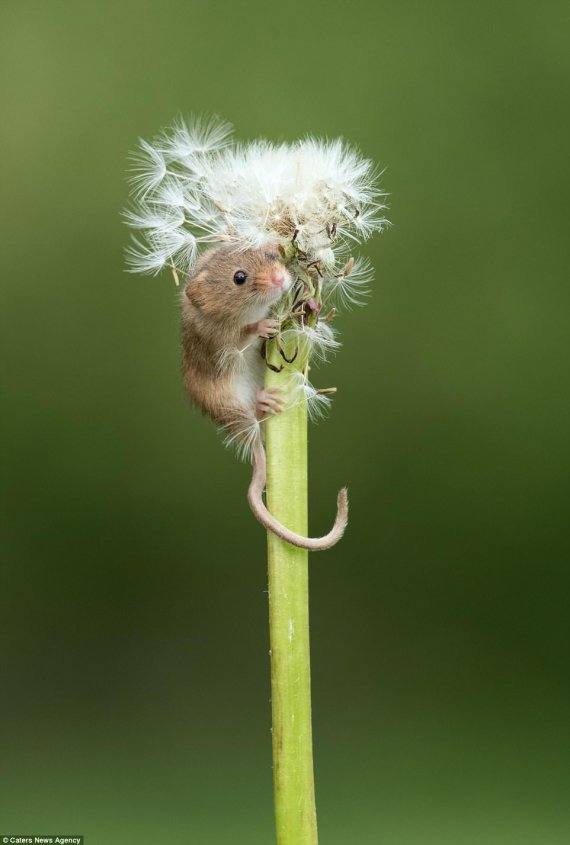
pixel 316 200
pixel 319 195
pixel 193 187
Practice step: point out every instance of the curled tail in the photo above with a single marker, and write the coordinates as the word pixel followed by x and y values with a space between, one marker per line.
pixel 256 503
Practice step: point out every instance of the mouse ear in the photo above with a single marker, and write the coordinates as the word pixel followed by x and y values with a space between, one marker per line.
pixel 194 290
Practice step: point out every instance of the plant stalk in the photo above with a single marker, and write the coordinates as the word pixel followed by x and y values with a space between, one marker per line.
pixel 293 781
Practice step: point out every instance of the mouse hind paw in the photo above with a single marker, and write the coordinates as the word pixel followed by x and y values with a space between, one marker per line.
pixel 269 401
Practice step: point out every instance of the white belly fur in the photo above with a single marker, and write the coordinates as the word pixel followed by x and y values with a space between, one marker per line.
pixel 248 376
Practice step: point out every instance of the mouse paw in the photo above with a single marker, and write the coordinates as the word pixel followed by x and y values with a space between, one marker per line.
pixel 266 328
pixel 269 401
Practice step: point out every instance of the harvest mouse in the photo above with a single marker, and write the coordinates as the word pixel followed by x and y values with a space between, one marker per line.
pixel 226 306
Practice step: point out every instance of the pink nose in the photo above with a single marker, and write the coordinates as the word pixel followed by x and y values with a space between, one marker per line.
pixel 278 278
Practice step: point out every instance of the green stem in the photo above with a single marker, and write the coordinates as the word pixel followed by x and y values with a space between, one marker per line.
pixel 294 792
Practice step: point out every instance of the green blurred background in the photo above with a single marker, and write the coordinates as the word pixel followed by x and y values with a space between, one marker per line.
pixel 134 642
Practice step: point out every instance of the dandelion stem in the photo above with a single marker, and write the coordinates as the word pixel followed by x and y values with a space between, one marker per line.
pixel 293 782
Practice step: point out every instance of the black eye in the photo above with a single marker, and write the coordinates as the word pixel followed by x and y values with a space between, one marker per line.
pixel 240 277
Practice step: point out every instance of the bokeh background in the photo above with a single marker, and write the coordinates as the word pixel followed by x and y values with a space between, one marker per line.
pixel 134 643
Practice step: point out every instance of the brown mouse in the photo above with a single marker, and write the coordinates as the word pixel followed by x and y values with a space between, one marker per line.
pixel 226 306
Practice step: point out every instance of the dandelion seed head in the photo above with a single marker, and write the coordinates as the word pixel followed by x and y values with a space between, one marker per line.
pixel 320 193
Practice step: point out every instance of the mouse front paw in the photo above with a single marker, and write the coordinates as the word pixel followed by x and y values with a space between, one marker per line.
pixel 266 328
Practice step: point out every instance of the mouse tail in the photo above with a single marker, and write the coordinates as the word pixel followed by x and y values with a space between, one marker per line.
pixel 256 503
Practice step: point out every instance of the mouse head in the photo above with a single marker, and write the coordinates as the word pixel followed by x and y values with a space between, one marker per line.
pixel 228 283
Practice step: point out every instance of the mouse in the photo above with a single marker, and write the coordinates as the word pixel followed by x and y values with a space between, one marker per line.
pixel 227 304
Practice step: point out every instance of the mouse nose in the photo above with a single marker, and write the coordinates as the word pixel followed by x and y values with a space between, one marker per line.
pixel 278 278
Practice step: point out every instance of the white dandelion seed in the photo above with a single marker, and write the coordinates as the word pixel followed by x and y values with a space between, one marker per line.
pixel 171 193
pixel 149 257
pixel 318 404
pixel 181 246
pixel 300 389
pixel 243 436
pixel 321 339
pixel 185 142
pixel 148 170
pixel 157 219
pixel 351 289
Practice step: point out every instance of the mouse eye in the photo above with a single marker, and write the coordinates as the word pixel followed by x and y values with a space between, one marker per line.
pixel 240 277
